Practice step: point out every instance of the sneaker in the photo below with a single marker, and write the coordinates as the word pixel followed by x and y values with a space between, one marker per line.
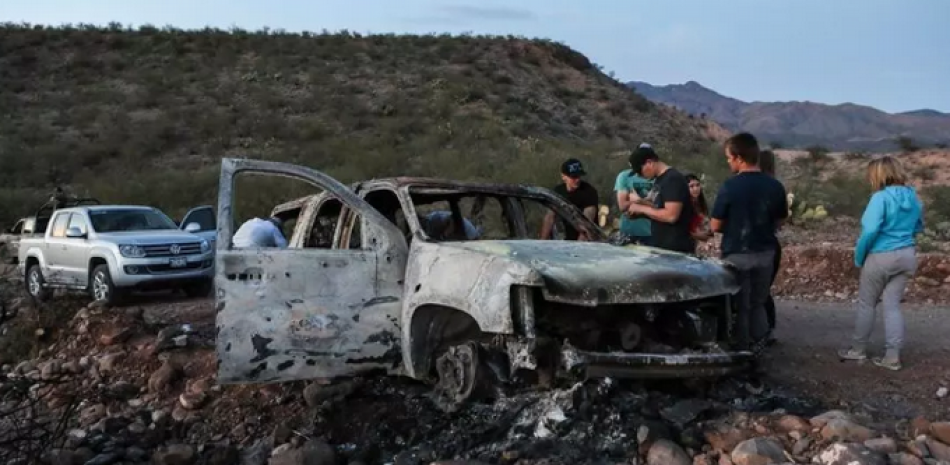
pixel 852 354
pixel 889 363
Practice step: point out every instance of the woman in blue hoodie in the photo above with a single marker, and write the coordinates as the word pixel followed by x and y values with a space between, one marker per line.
pixel 886 254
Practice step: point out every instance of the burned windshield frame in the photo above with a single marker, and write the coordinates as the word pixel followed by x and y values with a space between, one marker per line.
pixel 514 202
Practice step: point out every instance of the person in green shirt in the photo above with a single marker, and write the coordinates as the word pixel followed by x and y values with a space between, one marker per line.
pixel 632 188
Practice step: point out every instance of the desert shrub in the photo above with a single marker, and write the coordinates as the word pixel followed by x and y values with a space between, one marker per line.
pixel 906 144
pixel 817 154
pixel 841 194
pixel 937 199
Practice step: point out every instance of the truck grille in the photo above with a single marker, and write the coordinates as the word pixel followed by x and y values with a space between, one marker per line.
pixel 164 250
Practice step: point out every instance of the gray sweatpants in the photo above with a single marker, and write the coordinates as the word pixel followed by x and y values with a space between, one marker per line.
pixel 754 272
pixel 884 277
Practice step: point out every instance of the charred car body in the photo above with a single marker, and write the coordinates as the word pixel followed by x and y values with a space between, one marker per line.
pixel 371 281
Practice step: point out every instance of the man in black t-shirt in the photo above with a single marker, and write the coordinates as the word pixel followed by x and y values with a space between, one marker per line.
pixel 576 191
pixel 671 208
pixel 749 208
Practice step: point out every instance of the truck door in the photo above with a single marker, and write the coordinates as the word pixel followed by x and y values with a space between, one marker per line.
pixel 301 313
pixel 201 221
pixel 57 247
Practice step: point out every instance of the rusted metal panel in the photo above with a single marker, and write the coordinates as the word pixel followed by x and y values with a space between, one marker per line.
pixel 645 365
pixel 593 273
pixel 298 314
pixel 477 284
pixel 287 314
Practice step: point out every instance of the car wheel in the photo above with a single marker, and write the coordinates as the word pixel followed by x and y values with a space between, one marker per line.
pixel 35 284
pixel 462 376
pixel 198 289
pixel 101 287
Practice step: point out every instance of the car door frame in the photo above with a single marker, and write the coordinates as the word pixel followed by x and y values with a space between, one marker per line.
pixel 75 259
pixel 208 234
pixel 293 314
pixel 56 249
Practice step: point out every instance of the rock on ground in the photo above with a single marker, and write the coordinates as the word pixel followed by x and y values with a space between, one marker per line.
pixel 758 451
pixel 311 453
pixel 665 452
pixel 849 454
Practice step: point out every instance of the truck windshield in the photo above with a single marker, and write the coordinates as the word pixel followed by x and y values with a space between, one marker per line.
pixel 129 219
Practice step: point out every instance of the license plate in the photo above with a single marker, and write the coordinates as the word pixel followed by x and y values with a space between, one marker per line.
pixel 177 262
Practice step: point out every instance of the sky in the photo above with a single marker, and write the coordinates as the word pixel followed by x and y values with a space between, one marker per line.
pixel 890 54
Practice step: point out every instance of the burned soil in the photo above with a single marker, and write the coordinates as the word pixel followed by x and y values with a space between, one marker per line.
pixel 596 421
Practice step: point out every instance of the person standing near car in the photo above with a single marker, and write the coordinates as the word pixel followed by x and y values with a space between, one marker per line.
pixel 631 188
pixel 672 207
pixel 887 255
pixel 749 208
pixel 578 192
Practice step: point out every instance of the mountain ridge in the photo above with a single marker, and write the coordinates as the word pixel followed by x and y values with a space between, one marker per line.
pixel 844 126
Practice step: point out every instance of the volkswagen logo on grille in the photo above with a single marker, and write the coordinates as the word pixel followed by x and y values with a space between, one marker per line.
pixel 175 249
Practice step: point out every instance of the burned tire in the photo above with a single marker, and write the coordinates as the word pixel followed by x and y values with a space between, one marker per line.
pixel 462 377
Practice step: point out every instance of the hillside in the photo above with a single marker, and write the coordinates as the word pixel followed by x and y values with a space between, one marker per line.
pixel 144 115
pixel 799 124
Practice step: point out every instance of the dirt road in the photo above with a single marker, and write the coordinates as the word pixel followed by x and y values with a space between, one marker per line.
pixel 805 359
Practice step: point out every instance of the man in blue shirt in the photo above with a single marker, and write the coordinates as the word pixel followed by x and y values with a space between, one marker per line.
pixel 630 188
pixel 439 225
pixel 749 208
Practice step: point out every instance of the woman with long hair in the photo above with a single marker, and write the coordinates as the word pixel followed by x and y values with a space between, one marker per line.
pixel 886 253
pixel 697 227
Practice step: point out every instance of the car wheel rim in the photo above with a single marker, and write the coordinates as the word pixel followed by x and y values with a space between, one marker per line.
pixel 34 283
pixel 100 288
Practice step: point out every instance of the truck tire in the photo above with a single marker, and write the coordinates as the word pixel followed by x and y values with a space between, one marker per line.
pixel 101 287
pixel 35 284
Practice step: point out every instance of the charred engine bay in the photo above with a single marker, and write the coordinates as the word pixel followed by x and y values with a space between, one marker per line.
pixel 595 421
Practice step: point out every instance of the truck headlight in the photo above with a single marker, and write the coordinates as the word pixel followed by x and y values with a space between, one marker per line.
pixel 204 245
pixel 131 251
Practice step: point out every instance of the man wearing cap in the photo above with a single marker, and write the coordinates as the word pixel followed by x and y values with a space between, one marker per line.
pixel 258 233
pixel 631 188
pixel 576 191
pixel 672 206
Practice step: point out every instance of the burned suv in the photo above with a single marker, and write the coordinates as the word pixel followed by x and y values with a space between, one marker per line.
pixel 445 282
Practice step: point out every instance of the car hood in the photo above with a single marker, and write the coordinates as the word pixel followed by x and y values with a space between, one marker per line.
pixel 596 273
pixel 158 236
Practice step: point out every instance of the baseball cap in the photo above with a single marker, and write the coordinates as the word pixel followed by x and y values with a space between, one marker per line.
pixel 640 156
pixel 572 167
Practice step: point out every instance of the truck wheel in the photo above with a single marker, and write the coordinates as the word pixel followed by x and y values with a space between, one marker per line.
pixel 101 287
pixel 463 376
pixel 35 284
pixel 198 289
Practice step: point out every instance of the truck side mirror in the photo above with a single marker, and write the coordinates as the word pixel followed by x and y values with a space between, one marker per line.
pixel 192 227
pixel 75 233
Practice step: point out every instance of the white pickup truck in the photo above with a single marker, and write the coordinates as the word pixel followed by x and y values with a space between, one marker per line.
pixel 107 250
